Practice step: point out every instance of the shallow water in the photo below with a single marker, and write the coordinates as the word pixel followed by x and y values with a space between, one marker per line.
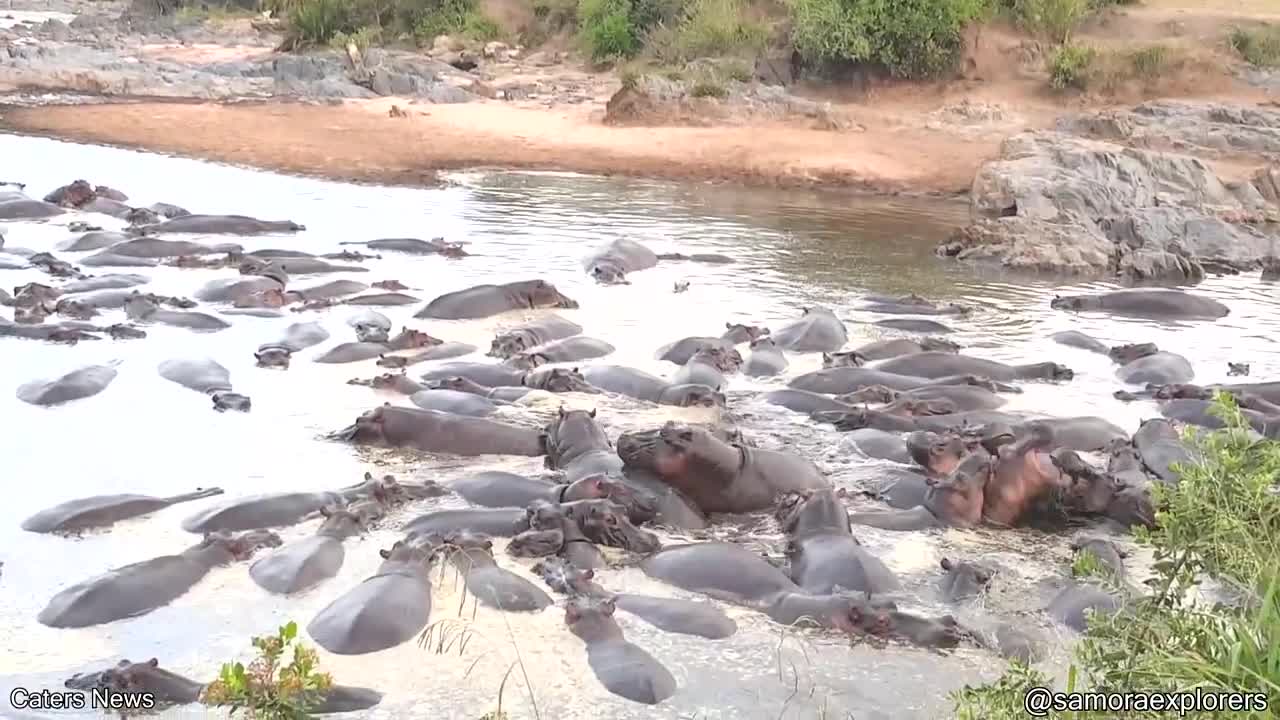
pixel 144 434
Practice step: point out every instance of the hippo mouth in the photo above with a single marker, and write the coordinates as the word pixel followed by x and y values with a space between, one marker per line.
pixel 568 381
pixel 609 275
pixel 844 420
pixel 86 682
pixel 640 507
pixel 366 429
pixel 536 543
pixel 270 356
pixel 611 527
pixel 223 401
pixel 637 449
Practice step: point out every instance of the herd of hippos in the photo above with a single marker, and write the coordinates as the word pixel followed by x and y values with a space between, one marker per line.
pixel 916 400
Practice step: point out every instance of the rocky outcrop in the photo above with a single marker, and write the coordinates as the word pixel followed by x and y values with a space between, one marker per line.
pixel 1195 128
pixel 652 100
pixel 1058 202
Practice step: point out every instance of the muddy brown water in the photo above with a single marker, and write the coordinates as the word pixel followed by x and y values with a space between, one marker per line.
pixel 147 435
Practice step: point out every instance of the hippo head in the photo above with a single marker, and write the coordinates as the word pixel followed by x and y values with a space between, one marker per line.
pixel 942 632
pixel 542 294
pixel 937 344
pixel 1125 354
pixel 77 194
pixel 75 309
pixel 384 381
pixel 922 407
pixel 739 333
pixel 388 491
pixel 273 356
pixel 606 523
pixel 70 336
pixel 526 361
pixel 607 273
pixel 869 394
pixel 264 268
pixel 1237 369
pixel 268 298
pixel 536 543
pixel 178 302
pixel 223 401
pixel 763 343
pixel 844 420
pixel 939 454
pixel 389 284
pixel 590 618
pixel 469 541
pixel 458 384
pixel 1055 371
pixel 409 338
pixel 417 549
pixel 808 511
pixel 637 448
pixel 848 358
pixel 132 678
pixel 33 294
pixel 851 614
pixel 1180 391
pixel 694 395
pixel 641 507
pixel 559 380
pixel 990 436
pixel 137 306
pixel 139 217
pixel 120 331
pixel 392 361
pixel 1088 491
pixel 448 249
pixel 341 521
pixel 958 497
pixel 1132 505
pixel 507 344
pixel 564 577
pixel 371 332
pixel 726 360
pixel 1040 436
pixel 1070 302
pixel 965 579
pixel 240 546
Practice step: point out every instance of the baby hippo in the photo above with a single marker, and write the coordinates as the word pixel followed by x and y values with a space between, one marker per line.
pixel 625 669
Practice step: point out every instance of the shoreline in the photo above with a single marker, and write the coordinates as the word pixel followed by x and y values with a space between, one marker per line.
pixel 317 140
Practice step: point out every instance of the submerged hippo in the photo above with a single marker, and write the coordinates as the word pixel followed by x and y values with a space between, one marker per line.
pixel 552 531
pixel 433 431
pixel 153 247
pixel 610 263
pixel 681 350
pixel 821 550
pixel 492 585
pixel 570 349
pixel 105 510
pixel 920 325
pixel 1159 304
pixel 677 615
pixel 955 500
pixel 95 240
pixel 1077 339
pixel 204 375
pixel 707 367
pixel 414 246
pixel 228 290
pixel 1076 602
pixel 76 385
pixel 165 688
pixel 305 563
pixel 387 609
pixel 911 305
pixel 296 337
pixel 142 309
pixel 624 668
pixel 766 359
pixel 841 380
pixel 806 402
pixel 885 349
pixel 534 333
pixel 455 402
pixel 643 386
pixel 139 588
pixel 407 339
pixel 943 364
pixel 110 281
pixel 1144 363
pixel 964 580
pixel 817 330
pixel 722 477
pixel 503 489
pixel 483 301
pixel 224 225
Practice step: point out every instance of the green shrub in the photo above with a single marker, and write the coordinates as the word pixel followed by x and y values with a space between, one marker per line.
pixel 1258 46
pixel 1222 520
pixel 1069 67
pixel 317 22
pixel 605 29
pixel 268 689
pixel 712 28
pixel 1149 62
pixel 364 38
pixel 1055 19
pixel 912 38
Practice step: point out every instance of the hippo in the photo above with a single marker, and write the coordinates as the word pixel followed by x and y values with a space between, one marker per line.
pixel 706 367
pixel 686 617
pixel 228 290
pixel 1077 339
pixel 76 385
pixel 1160 447
pixel 722 477
pixel 625 669
pixel 766 359
pixel 551 531
pixel 484 301
pixel 911 305
pixel 1022 475
pixel 142 309
pixel 495 522
pixel 681 350
pixel 920 325
pixel 305 563
pixel 840 380
pixel 252 265
pixel 956 500
pixel 503 489
pixel 296 337
pixel 106 258
pixel 1106 555
pixel 487 374
pixel 101 511
pixel 570 349
pixel 255 512
pixel 1139 367
pixel 964 580
pixel 205 376
pixel 578 446
pixel 1198 412
pixel 942 364
pixel 1083 434
pixel 414 246
pixel 355 351
pixel 165 688
pixel 433 431
pixel 534 333
pixel 492 585
pixel 54 266
pixel 152 247
pixel 387 609
pixel 804 401
pixel 136 589
pixel 817 330
pixel 95 240
pixel 326 290
pixel 443 351
pixel 821 549
pixel 965 397
pixel 885 349
pixel 643 386
pixel 224 225
pixel 115 299
pixel 610 263
pixel 878 444
pixel 1074 603
pixel 61 333
pixel 455 402
pixel 455 383
pixel 17 206
pixel 370 326
pixel 386 299
pixel 938 455
pixel 608 523
pixel 1155 304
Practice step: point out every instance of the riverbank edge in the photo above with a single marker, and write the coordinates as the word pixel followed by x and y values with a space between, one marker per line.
pixel 311 157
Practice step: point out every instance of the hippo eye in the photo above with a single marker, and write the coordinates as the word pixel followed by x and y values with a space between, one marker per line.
pixel 610 520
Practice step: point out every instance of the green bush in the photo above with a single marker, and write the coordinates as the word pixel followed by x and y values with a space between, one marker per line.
pixel 322 22
pixel 1069 67
pixel 1258 46
pixel 317 22
pixel 717 27
pixel 605 29
pixel 1149 62
pixel 912 38
pixel 1222 521
pixel 268 689
pixel 1055 19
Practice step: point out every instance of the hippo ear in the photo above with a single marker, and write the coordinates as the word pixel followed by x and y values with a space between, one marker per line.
pixel 588 574
pixel 154 662
pixel 593 412
pixel 728 326
pixel 946 564
pixel 717 388
pixel 368 476
pixel 325 511
pixel 385 553
pixel 561 411
pixel 609 605
pixel 826 358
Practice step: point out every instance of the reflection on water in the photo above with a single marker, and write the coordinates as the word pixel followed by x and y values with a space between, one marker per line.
pixel 146 435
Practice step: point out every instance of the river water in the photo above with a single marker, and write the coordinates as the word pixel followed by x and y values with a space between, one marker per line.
pixel 147 435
